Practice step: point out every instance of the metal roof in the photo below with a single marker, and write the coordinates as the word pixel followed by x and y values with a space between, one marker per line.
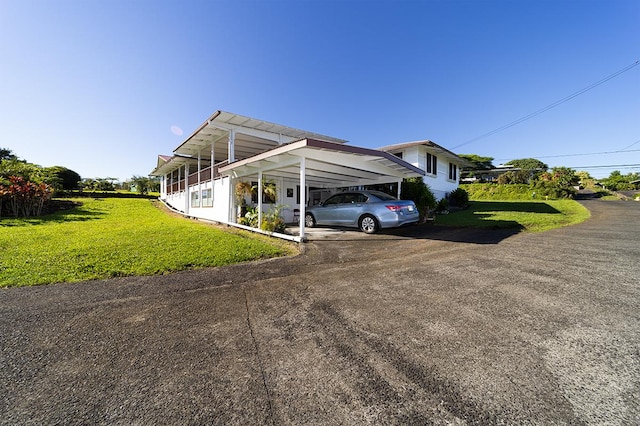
pixel 252 136
pixel 327 164
pixel 434 147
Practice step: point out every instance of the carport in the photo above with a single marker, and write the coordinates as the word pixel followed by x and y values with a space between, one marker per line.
pixel 321 164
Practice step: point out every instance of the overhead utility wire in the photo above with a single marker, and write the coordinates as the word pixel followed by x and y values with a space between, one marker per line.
pixel 578 155
pixel 627 147
pixel 550 106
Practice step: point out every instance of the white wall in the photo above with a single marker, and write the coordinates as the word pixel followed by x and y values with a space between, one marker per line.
pixel 439 184
pixel 221 197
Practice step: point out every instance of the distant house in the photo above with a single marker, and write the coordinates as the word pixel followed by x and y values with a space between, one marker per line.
pixel 442 167
pixel 201 177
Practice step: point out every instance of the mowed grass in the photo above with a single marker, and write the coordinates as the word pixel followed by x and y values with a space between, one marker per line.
pixel 113 237
pixel 529 216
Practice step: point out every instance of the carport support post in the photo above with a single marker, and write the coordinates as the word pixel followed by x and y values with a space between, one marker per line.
pixel 186 188
pixel 303 193
pixel 259 198
pixel 399 188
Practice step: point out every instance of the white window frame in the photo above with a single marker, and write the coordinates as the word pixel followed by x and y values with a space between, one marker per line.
pixel 431 165
pixel 453 172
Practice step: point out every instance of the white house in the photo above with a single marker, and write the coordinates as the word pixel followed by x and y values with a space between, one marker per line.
pixel 442 167
pixel 200 178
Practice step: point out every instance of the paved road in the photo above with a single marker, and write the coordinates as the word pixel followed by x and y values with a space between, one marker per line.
pixel 446 327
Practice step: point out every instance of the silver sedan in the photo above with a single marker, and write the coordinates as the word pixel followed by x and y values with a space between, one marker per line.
pixel 367 210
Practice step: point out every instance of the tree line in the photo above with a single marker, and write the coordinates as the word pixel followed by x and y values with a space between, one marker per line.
pixel 557 182
pixel 26 188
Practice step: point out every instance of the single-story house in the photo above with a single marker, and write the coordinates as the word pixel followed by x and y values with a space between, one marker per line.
pixel 200 178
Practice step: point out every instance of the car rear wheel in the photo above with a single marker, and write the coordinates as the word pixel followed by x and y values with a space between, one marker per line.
pixel 309 220
pixel 368 224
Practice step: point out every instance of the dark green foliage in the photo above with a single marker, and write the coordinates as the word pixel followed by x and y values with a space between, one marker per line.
pixel 559 183
pixel 442 206
pixel 492 191
pixel 144 185
pixel 515 177
pixel 7 154
pixel 66 179
pixel 458 198
pixel 416 190
pixel 619 182
pixel 528 164
pixel 479 162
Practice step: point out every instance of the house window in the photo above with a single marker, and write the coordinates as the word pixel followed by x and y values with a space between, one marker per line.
pixel 398 154
pixel 432 164
pixel 207 198
pixel 453 172
pixel 195 199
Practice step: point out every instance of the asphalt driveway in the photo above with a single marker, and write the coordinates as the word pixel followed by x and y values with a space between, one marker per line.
pixel 432 326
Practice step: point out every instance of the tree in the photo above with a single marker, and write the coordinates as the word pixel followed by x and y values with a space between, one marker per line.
pixel 560 182
pixel 68 179
pixel 7 154
pixel 514 177
pixel 528 164
pixel 479 162
pixel 619 182
pixel 144 185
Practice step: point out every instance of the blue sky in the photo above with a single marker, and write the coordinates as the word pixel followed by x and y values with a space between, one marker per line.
pixel 96 85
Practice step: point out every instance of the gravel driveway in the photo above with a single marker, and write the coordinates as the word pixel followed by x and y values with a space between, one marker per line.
pixel 422 325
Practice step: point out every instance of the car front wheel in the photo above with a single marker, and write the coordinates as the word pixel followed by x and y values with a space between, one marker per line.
pixel 368 224
pixel 309 220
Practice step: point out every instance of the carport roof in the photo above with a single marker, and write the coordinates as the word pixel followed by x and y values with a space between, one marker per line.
pixel 327 164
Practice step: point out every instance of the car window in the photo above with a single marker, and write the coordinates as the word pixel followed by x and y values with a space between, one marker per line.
pixel 383 196
pixel 335 199
pixel 360 198
pixel 349 199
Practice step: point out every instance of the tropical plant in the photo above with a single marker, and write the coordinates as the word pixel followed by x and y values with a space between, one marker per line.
pixel 25 198
pixel 416 190
pixel 458 198
pixel 250 218
pixel 243 189
pixel 272 221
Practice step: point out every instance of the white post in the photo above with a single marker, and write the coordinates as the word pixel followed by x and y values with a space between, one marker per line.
pixel 199 180
pixel 213 158
pixel 399 188
pixel 231 148
pixel 259 198
pixel 303 193
pixel 186 188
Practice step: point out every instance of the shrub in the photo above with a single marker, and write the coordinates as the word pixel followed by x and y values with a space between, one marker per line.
pixel 416 190
pixel 272 221
pixel 458 198
pixel 443 206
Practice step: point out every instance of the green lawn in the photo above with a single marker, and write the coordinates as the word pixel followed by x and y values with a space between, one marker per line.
pixel 531 216
pixel 111 237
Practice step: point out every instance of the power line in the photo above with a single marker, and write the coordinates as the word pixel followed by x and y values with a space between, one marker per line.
pixel 578 155
pixel 550 106
pixel 612 166
pixel 627 147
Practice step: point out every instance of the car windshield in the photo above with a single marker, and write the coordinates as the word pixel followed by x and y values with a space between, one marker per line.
pixel 383 196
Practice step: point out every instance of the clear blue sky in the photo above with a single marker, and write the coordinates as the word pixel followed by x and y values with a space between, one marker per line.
pixel 96 85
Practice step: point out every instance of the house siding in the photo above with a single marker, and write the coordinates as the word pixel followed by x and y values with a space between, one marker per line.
pixel 439 183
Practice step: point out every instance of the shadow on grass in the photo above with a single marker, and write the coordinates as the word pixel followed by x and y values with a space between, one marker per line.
pixel 515 206
pixel 61 212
